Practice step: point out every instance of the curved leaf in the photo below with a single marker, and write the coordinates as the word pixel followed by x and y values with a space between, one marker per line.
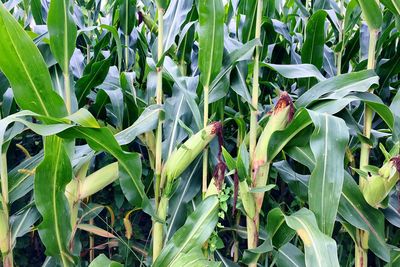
pixel 372 13
pixel 328 143
pixel 197 229
pixel 352 206
pixel 297 71
pixel 24 67
pixel 130 167
pixel 173 19
pixel 320 250
pixel 289 256
pixel 339 86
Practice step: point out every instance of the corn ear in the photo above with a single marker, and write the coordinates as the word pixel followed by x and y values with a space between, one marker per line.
pixel 98 180
pixel 378 185
pixel 182 157
pixel 280 117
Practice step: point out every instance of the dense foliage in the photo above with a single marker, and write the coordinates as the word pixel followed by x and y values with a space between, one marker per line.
pixel 200 132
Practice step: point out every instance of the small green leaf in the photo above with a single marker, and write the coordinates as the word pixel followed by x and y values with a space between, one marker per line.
pixel 103 261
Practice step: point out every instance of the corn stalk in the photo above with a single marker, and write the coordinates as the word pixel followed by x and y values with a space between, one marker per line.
pixel 252 226
pixel 5 233
pixel 158 231
pixel 373 16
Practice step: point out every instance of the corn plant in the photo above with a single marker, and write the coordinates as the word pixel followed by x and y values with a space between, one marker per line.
pixel 200 132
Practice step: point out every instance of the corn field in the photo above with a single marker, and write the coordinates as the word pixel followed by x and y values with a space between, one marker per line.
pixel 200 133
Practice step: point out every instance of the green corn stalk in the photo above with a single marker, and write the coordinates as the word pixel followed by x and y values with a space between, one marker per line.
pixel 378 185
pixel 176 164
pixel 373 16
pixel 5 233
pixel 251 230
pixel 158 159
pixel 280 117
pixel 5 241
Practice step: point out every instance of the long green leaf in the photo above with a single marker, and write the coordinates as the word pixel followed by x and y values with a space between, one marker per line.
pixel 197 229
pixel 328 143
pixel 211 42
pixel 174 17
pixel 62 31
pixel 372 13
pixel 127 16
pixel 339 86
pixel 96 74
pixel 24 67
pixel 297 71
pixel 194 258
pixel 52 175
pixel 320 250
pixel 352 206
pixel 103 261
pixel 289 256
pixel 313 48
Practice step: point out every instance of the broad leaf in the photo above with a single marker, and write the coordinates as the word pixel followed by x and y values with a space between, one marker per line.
pixel 320 250
pixel 371 13
pixel 339 86
pixel 24 67
pixel 313 48
pixel 289 256
pixel 197 229
pixel 103 261
pixel 328 143
pixel 130 167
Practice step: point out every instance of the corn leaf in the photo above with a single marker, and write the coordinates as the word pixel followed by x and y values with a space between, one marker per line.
pixel 328 143
pixel 211 42
pixel 50 200
pixel 372 13
pixel 313 48
pixel 320 249
pixel 127 17
pixel 196 230
pixel 103 261
pixel 290 256
pixel 62 31
pixel 174 17
pixel 130 167
pixel 24 67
